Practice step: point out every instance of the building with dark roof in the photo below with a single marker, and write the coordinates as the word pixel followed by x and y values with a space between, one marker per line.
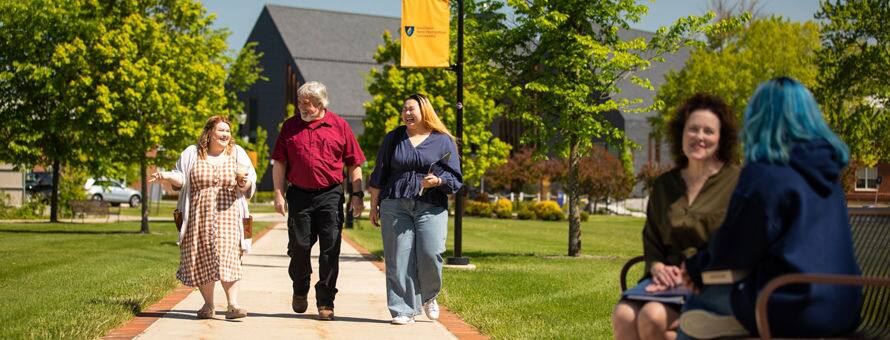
pixel 337 49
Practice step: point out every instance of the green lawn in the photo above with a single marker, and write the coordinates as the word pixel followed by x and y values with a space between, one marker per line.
pixel 524 286
pixel 78 281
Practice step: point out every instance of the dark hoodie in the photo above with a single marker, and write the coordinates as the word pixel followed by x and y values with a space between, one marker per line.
pixel 789 218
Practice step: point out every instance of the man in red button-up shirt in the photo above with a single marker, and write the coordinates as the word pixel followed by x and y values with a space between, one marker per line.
pixel 309 156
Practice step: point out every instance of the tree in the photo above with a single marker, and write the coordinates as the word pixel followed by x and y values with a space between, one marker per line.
pixel 101 84
pixel 768 48
pixel 649 173
pixel 565 60
pixel 601 175
pixel 41 56
pixel 513 175
pixel 852 84
pixel 726 10
pixel 390 85
pixel 160 71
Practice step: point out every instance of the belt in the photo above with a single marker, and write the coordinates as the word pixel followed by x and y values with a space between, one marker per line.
pixel 315 190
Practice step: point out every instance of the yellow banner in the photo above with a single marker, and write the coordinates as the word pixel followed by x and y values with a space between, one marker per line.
pixel 425 32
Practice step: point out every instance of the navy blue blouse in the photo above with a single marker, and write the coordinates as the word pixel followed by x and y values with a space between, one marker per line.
pixel 409 165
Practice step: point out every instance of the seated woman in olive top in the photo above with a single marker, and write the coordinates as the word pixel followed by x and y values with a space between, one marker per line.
pixel 686 205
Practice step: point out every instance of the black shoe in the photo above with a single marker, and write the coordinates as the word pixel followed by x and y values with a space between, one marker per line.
pixel 299 303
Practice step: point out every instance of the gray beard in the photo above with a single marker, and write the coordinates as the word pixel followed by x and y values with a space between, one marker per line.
pixel 311 118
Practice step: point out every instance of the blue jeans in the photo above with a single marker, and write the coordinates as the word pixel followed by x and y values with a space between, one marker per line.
pixel 413 242
pixel 712 298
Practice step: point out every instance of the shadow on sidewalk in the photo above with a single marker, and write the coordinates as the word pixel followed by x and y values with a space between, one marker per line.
pixel 343 258
pixel 261 265
pixel 183 314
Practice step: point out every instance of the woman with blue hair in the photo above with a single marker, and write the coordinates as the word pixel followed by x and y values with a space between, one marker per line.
pixel 788 214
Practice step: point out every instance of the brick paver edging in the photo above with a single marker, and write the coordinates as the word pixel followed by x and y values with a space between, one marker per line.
pixel 145 318
pixel 451 321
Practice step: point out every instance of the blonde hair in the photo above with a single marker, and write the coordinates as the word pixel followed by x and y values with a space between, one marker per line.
pixel 429 116
pixel 204 139
pixel 314 91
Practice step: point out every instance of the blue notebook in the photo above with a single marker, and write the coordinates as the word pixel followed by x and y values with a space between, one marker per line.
pixel 677 295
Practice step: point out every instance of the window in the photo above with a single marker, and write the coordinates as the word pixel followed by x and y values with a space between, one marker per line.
pixel 867 179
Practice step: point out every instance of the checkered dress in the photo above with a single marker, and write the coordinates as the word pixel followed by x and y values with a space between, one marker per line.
pixel 210 250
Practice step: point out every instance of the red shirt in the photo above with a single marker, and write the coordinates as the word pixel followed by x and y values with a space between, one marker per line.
pixel 315 152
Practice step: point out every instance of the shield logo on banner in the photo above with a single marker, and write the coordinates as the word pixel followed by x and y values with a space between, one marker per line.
pixel 409 30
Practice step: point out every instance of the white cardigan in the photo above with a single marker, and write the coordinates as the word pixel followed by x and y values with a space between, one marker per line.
pixel 183 168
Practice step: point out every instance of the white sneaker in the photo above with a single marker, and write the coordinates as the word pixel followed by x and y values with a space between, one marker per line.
pixel 702 324
pixel 431 308
pixel 402 320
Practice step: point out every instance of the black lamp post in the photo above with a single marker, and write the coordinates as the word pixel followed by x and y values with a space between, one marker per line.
pixel 458 259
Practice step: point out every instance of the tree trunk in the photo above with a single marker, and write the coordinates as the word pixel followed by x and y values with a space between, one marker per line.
pixel 54 198
pixel 574 201
pixel 143 171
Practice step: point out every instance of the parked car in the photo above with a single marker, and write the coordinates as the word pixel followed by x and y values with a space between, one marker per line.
pixel 112 191
pixel 39 185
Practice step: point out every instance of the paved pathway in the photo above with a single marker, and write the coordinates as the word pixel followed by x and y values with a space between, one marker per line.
pixel 266 293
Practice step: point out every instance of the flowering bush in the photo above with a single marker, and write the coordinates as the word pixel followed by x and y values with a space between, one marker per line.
pixel 503 208
pixel 548 211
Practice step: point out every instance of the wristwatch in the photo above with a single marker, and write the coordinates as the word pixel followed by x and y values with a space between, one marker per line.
pixel 359 194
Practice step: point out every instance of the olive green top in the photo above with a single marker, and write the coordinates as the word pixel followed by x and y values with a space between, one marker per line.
pixel 675 229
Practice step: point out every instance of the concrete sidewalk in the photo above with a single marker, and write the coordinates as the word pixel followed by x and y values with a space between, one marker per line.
pixel 266 293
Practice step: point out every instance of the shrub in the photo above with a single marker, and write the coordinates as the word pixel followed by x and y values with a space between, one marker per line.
pixel 471 208
pixel 525 213
pixel 481 197
pixel 584 216
pixel 71 189
pixel 485 209
pixel 476 208
pixel 31 208
pixel 503 208
pixel 548 211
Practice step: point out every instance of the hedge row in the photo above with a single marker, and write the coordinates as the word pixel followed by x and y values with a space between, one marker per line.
pixel 504 208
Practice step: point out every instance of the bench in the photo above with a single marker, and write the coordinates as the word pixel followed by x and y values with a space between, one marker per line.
pixel 89 207
pixel 871 242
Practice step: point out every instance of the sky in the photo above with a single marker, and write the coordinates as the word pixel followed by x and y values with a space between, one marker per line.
pixel 239 16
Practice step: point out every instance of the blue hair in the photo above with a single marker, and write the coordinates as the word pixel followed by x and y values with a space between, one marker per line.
pixel 781 114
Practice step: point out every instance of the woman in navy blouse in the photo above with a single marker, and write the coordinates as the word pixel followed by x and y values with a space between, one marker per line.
pixel 417 167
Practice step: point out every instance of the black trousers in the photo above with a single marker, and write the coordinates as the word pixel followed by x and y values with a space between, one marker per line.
pixel 315 216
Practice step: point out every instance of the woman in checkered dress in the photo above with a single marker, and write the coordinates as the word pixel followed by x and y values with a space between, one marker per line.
pixel 216 177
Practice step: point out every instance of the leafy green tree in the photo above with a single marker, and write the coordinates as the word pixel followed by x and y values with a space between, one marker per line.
pixel 390 85
pixel 853 85
pixel 101 84
pixel 766 49
pixel 159 72
pixel 42 44
pixel 565 59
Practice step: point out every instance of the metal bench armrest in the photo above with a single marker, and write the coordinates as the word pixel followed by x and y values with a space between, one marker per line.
pixel 763 296
pixel 623 276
